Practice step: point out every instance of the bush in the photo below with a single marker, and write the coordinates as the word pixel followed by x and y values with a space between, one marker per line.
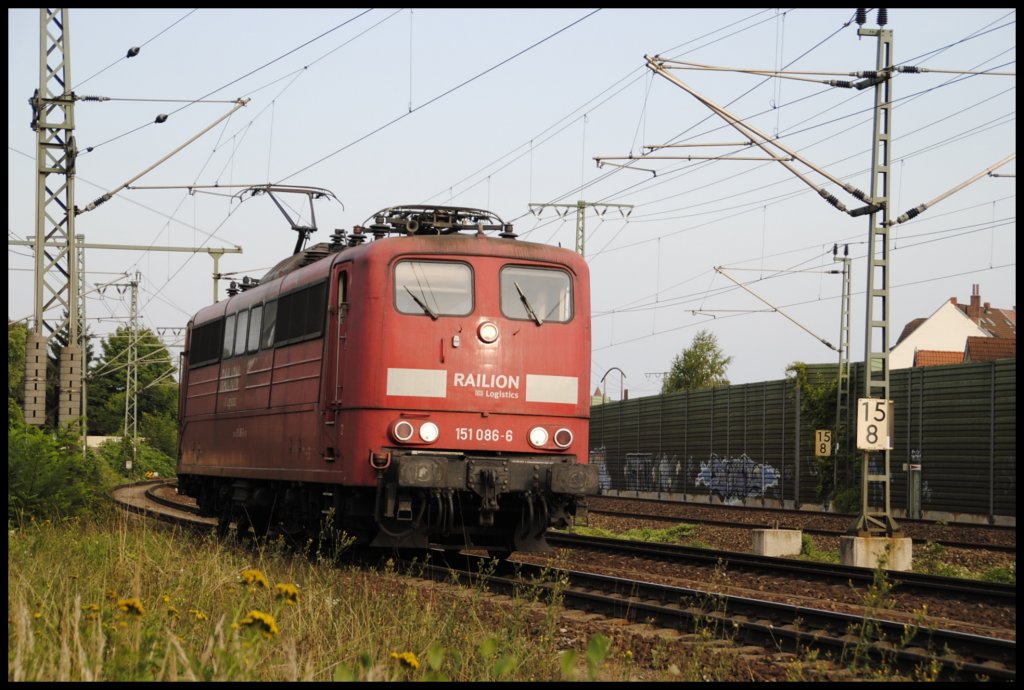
pixel 115 452
pixel 847 501
pixel 161 432
pixel 47 476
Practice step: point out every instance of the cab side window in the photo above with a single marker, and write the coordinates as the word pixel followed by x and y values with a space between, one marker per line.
pixel 229 337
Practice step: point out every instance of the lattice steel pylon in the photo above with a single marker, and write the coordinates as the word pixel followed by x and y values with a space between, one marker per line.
pixel 131 389
pixel 56 265
pixel 581 218
pixel 878 520
pixel 842 445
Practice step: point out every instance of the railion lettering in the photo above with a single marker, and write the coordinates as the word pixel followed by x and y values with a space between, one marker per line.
pixel 478 380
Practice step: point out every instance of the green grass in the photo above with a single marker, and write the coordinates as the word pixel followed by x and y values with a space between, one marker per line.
pixel 117 598
pixel 931 558
pixel 810 552
pixel 672 535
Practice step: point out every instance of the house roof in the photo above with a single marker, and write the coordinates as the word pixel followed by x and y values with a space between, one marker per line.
pixel 1001 323
pixel 910 328
pixel 986 349
pixel 931 358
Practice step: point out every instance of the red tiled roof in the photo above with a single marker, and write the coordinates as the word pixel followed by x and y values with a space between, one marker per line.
pixel 931 358
pixel 986 349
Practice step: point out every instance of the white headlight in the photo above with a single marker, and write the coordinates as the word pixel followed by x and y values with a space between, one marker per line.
pixel 429 432
pixel 487 332
pixel 538 436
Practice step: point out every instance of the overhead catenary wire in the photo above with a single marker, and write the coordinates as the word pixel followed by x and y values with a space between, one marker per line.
pixel 605 234
pixel 438 97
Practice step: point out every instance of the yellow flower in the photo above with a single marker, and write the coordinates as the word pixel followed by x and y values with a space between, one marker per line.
pixel 133 606
pixel 111 594
pixel 407 659
pixel 166 599
pixel 171 611
pixel 290 593
pixel 200 616
pixel 255 577
pixel 263 622
pixel 91 607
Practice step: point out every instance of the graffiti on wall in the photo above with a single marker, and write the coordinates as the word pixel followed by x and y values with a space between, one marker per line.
pixel 668 471
pixel 733 479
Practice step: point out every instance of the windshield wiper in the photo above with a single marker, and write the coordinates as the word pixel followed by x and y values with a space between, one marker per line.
pixel 423 305
pixel 526 303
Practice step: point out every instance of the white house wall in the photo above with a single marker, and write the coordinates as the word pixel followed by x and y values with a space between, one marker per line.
pixel 947 329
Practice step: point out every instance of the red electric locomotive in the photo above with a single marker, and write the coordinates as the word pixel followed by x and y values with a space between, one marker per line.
pixel 421 381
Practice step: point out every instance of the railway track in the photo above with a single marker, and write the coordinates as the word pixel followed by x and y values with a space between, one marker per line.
pixel 991 538
pixel 1000 594
pixel 773 625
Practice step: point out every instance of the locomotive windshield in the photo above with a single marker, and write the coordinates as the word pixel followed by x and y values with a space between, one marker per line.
pixel 435 288
pixel 536 294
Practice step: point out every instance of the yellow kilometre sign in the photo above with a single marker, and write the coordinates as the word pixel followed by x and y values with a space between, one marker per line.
pixel 823 443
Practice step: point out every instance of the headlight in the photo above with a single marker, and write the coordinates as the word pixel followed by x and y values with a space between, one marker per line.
pixel 429 432
pixel 563 438
pixel 538 436
pixel 487 332
pixel 402 431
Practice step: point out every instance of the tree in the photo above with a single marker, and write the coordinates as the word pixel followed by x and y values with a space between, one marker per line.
pixel 17 335
pixel 702 365
pixel 157 391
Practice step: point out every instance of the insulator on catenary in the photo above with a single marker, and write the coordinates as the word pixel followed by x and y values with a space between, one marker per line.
pixel 832 200
pixel 862 15
pixel 841 83
pixel 850 189
pixel 912 213
pixel 883 16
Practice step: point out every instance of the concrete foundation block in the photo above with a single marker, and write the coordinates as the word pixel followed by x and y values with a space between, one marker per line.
pixel 777 542
pixel 865 552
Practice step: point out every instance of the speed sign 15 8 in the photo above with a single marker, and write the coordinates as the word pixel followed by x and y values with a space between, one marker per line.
pixel 874 424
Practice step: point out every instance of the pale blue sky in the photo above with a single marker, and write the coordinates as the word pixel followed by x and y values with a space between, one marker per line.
pixel 507 107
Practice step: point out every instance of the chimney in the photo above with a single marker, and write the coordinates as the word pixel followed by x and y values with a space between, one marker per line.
pixel 974 310
pixel 952 300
